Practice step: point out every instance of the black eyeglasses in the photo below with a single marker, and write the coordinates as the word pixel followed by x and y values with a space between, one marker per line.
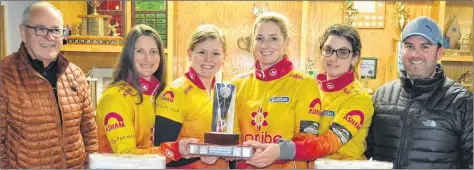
pixel 341 53
pixel 42 31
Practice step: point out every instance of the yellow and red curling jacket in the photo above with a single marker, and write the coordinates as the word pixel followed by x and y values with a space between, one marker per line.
pixel 126 126
pixel 187 102
pixel 275 103
pixel 345 120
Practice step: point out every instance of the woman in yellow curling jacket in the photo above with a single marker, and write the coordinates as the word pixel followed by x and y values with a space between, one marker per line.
pixel 126 110
pixel 347 107
pixel 275 101
pixel 184 108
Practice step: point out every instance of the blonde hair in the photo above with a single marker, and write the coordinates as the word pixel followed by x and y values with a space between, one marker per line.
pixel 280 20
pixel 205 32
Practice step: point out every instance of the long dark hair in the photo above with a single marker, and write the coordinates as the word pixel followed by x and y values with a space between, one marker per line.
pixel 125 66
pixel 348 33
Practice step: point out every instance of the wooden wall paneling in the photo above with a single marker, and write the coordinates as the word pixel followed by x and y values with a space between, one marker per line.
pixel 128 14
pixel 304 37
pixel 321 15
pixel 379 42
pixel 454 70
pixel 171 40
pixel 2 32
pixel 375 42
pixel 438 10
pixel 88 60
pixel 70 11
pixel 236 19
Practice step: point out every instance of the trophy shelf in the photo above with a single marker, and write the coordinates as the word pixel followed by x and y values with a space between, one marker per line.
pixel 457 55
pixel 92 48
pixel 457 58
pixel 94 44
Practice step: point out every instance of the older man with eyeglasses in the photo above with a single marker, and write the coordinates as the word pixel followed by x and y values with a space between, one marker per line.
pixel 47 120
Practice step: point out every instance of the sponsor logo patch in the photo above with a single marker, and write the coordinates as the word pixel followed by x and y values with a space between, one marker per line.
pixel 429 123
pixel 192 76
pixel 263 137
pixel 282 99
pixel 309 127
pixel 329 86
pixel 341 132
pixel 127 92
pixel 186 91
pixel 327 113
pixel 144 87
pixel 315 107
pixel 297 76
pixel 355 117
pixel 110 124
pixel 114 140
pixel 273 72
pixel 259 118
pixel 168 96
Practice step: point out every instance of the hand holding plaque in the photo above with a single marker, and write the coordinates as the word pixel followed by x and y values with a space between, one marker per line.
pixel 222 142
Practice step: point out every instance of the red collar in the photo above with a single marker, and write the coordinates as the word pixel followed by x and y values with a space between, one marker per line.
pixel 192 75
pixel 334 84
pixel 148 87
pixel 274 72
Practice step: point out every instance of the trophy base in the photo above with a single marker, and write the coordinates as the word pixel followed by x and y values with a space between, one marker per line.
pixel 242 152
pixel 221 138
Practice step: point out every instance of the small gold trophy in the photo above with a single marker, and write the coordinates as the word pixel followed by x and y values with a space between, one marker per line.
pixel 95 24
pixel 222 142
pixel 402 15
pixel 94 4
pixel 310 67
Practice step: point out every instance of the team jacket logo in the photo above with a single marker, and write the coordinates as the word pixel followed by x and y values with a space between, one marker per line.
pixel 187 89
pixel 169 96
pixel 283 99
pixel 273 72
pixel 351 117
pixel 308 126
pixel 327 113
pixel 314 108
pixel 127 92
pixel 296 76
pixel 144 87
pixel 263 137
pixel 116 125
pixel 152 137
pixel 192 76
pixel 259 118
pixel 329 85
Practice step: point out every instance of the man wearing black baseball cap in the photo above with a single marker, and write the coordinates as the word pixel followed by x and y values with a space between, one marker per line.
pixel 423 119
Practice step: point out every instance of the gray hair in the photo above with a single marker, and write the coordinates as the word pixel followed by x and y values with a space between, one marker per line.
pixel 41 4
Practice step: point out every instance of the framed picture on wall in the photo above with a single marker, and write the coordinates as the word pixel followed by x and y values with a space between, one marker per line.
pixel 364 14
pixel 368 67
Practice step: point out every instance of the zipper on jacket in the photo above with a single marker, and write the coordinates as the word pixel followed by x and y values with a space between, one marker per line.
pixel 61 140
pixel 402 138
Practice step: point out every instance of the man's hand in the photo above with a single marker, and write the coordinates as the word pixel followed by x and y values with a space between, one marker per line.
pixel 184 147
pixel 209 159
pixel 265 154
